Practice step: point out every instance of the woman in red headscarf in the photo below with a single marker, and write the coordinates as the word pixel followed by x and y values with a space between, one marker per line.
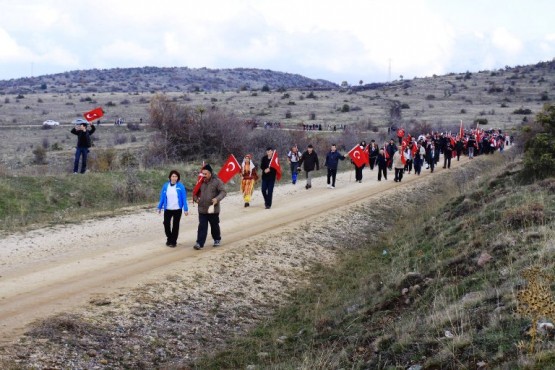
pixel 248 178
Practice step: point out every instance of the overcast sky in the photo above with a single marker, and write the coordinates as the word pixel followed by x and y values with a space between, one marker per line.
pixel 347 40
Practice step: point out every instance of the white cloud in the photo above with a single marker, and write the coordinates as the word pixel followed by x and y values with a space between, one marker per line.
pixel 124 50
pixel 9 49
pixel 350 40
pixel 506 41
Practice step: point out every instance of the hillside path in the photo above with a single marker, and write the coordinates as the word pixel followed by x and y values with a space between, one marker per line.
pixel 55 269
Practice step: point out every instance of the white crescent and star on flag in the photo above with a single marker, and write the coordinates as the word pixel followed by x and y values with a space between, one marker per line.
pixel 230 167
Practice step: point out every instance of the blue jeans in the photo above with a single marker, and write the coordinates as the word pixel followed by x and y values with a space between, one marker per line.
pixel 80 152
pixel 294 166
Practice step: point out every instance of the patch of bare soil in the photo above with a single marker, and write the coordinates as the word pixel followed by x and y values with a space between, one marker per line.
pixel 108 293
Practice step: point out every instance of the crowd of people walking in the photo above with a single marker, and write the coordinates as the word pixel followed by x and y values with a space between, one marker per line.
pixel 404 156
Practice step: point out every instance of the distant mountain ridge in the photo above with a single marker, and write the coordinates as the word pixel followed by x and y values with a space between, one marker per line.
pixel 154 79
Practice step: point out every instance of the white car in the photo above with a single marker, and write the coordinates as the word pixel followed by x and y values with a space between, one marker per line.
pixel 50 122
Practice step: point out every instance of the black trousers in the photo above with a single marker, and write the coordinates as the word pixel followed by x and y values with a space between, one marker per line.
pixel 267 188
pixel 417 165
pixel 372 162
pixel 332 174
pixel 408 165
pixel 382 169
pixel 398 174
pixel 447 160
pixel 172 232
pixel 358 173
pixel 202 232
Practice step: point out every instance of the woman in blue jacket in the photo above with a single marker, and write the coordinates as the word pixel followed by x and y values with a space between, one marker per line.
pixel 173 199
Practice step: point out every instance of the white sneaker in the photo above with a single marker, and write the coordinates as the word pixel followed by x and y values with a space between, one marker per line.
pixel 332 187
pixel 329 186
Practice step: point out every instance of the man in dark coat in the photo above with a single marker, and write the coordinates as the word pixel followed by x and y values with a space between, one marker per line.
pixel 83 144
pixel 332 161
pixel 309 160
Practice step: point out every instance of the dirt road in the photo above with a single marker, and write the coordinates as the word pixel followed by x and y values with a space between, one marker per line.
pixel 53 270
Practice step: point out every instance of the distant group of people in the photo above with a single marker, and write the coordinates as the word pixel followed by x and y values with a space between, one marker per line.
pixel 408 154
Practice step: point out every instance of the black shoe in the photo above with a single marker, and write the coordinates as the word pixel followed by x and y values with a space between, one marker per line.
pixel 168 244
pixel 172 245
pixel 217 243
pixel 247 204
pixel 306 186
pixel 267 207
pixel 197 246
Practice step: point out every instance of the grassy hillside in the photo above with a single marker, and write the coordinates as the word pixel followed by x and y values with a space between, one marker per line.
pixel 403 298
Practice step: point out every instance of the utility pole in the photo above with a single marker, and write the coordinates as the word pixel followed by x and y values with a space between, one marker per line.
pixel 389 74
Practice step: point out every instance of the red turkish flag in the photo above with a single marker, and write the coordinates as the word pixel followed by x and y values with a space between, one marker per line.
pixel 358 156
pixel 96 113
pixel 200 177
pixel 229 169
pixel 274 163
pixel 367 154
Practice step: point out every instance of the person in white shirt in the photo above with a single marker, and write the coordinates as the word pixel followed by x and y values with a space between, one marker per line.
pixel 173 200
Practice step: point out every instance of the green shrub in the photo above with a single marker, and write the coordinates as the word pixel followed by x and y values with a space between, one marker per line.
pixel 539 150
pixel 522 111
pixel 40 155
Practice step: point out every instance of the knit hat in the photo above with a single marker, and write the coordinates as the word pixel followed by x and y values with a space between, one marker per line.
pixel 208 168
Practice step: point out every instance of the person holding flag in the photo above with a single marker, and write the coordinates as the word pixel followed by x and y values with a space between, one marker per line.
pixel 84 142
pixel 200 177
pixel 359 158
pixel 310 161
pixel 248 178
pixel 332 161
pixel 269 174
pixel 208 197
